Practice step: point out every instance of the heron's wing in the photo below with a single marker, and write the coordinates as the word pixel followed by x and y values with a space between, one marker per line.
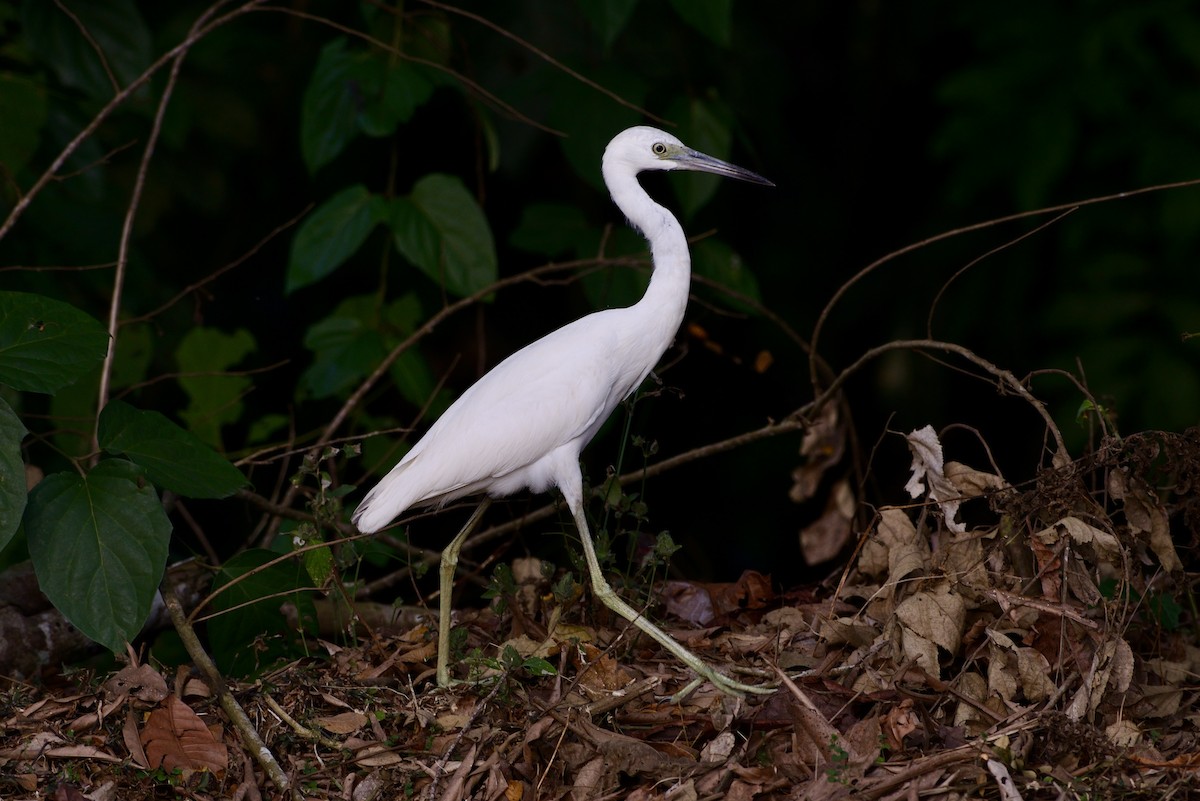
pixel 555 392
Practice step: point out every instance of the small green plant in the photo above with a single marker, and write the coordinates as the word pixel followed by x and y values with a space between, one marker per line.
pixel 839 761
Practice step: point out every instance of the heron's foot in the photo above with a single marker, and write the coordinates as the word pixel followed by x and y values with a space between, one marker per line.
pixel 722 683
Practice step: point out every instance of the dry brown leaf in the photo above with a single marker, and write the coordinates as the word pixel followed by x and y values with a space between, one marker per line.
pixel 825 537
pixel 929 476
pixel 1145 514
pixel 928 618
pixel 971 482
pixel 823 444
pixel 175 737
pixel 343 722
pixel 139 681
pixel 1105 544
pixel 1112 664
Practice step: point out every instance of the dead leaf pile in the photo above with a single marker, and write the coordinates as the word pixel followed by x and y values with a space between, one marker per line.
pixel 994 640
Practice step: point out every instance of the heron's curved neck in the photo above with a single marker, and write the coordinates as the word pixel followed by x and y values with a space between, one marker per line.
pixel 669 284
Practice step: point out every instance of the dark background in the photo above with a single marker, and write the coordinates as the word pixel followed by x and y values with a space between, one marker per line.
pixel 882 124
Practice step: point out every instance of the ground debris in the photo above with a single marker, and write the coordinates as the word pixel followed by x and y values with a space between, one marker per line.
pixel 1045 651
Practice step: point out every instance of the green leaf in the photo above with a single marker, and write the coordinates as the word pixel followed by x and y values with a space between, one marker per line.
pixel 553 229
pixel 394 91
pixel 346 347
pixel 608 17
pixel 173 458
pixel 12 474
pixel 45 344
pixel 713 18
pixel 442 230
pixel 114 27
pixel 332 234
pixel 253 611
pixel 23 109
pixel 720 264
pixel 215 399
pixel 708 133
pixel 99 548
pixel 330 106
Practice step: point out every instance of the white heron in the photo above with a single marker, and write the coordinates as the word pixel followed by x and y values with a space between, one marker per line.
pixel 523 425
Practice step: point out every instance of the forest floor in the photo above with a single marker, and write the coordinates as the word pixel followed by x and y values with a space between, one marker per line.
pixel 1047 651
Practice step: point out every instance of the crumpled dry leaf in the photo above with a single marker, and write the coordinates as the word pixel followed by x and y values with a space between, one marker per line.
pixel 971 482
pixel 929 476
pixel 1032 670
pixel 896 550
pixel 825 537
pixel 930 619
pixel 1112 664
pixel 175 737
pixel 1105 544
pixel 823 444
pixel 1145 514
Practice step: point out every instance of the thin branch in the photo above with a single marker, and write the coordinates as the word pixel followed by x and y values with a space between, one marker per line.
pixel 616 98
pixel 52 171
pixel 135 199
pixel 484 94
pixel 870 268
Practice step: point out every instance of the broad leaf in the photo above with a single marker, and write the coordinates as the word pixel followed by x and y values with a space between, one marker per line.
pixel 332 233
pixel 173 458
pixel 708 133
pixel 607 17
pixel 115 28
pixel 12 474
pixel 349 344
pixel 331 103
pixel 393 92
pixel 442 230
pixel 554 229
pixel 254 605
pixel 719 263
pixel 99 548
pixel 45 344
pixel 713 18
pixel 346 347
pixel 215 399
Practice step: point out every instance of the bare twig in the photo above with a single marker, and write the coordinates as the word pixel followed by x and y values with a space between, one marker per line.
pixel 895 254
pixel 237 716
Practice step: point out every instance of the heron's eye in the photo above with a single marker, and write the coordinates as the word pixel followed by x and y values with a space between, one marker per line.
pixel 659 149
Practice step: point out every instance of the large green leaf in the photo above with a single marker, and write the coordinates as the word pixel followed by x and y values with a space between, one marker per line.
pixel 554 229
pixel 12 474
pixel 393 92
pixel 332 234
pixel 173 458
pixel 68 38
pixel 23 109
pixel 608 17
pixel 331 102
pixel 99 548
pixel 45 344
pixel 350 343
pixel 253 605
pixel 346 347
pixel 215 399
pixel 713 18
pixel 442 230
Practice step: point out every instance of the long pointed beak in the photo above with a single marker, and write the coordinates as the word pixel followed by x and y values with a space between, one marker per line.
pixel 700 162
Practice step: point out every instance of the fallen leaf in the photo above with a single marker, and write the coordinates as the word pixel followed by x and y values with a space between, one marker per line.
pixel 929 477
pixel 175 737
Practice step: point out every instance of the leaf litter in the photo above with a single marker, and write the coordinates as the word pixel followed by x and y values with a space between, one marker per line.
pixel 1044 650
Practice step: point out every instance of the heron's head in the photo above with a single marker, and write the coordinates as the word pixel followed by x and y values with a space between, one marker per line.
pixel 644 148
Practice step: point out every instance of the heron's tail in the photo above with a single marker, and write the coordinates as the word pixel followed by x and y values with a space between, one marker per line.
pixel 384 503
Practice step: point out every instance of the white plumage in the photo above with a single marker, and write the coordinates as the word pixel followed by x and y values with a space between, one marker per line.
pixel 523 425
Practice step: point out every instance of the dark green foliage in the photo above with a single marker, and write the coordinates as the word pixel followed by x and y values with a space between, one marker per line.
pixel 427 148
